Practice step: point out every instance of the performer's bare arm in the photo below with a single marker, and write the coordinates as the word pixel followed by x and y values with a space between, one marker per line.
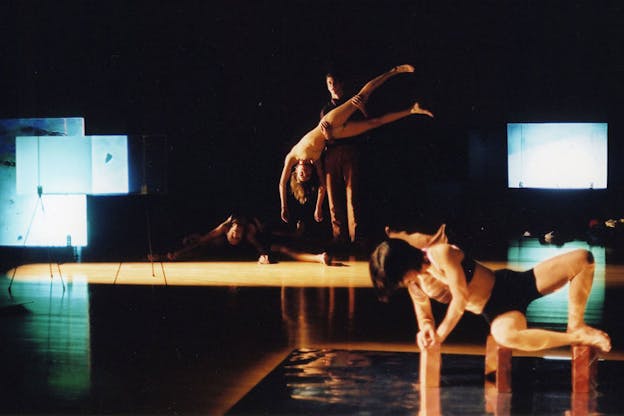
pixel 218 231
pixel 427 335
pixel 447 259
pixel 417 239
pixel 289 162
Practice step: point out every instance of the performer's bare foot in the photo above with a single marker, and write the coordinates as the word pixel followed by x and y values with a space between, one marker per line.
pixel 593 337
pixel 403 68
pixel 325 258
pixel 417 109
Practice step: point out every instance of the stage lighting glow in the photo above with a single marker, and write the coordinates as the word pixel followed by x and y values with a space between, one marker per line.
pixel 557 155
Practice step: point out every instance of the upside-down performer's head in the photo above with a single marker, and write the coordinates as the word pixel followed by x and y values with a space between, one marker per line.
pixel 302 180
pixel 389 263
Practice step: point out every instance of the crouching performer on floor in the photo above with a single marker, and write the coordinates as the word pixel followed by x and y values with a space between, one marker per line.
pixel 241 238
pixel 430 268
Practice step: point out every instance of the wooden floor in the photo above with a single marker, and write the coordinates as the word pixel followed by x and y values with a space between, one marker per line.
pixel 194 338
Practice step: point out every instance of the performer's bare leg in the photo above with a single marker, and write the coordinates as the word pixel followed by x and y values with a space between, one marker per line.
pixel 354 128
pixel 577 267
pixel 341 114
pixel 322 258
pixel 510 330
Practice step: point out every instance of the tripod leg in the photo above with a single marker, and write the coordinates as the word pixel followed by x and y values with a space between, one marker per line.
pixel 117 273
pixel 11 282
pixel 32 218
pixel 58 266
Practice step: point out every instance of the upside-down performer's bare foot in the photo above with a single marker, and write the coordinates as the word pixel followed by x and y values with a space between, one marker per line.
pixel 593 337
pixel 403 68
pixel 417 109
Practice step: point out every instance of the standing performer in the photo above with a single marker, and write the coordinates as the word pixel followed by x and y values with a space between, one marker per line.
pixel 340 162
pixel 305 155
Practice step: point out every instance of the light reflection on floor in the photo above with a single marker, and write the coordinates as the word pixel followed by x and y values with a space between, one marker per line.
pixel 57 345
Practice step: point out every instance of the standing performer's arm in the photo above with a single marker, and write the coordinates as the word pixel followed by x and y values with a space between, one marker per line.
pixel 318 211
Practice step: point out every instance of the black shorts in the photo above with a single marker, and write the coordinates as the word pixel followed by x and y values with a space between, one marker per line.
pixel 513 291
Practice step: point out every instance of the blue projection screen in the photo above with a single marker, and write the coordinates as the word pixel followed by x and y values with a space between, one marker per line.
pixel 47 168
pixel 94 165
pixel 21 215
pixel 557 155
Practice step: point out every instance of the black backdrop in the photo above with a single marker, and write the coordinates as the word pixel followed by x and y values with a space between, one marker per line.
pixel 233 84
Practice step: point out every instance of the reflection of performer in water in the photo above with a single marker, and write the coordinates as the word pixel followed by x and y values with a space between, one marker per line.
pixel 305 155
pixel 430 268
pixel 239 238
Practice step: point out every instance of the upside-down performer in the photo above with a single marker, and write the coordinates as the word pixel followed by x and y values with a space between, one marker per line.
pixel 306 154
pixel 430 268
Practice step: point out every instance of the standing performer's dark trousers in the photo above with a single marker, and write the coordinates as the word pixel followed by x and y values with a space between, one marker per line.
pixel 342 177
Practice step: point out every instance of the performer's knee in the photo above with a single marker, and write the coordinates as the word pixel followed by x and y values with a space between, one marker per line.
pixel 589 256
pixel 584 258
pixel 506 329
pixel 508 338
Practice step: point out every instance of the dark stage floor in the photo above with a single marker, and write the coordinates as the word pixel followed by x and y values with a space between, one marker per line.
pixel 156 349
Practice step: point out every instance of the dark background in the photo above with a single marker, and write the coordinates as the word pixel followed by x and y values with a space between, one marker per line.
pixel 233 85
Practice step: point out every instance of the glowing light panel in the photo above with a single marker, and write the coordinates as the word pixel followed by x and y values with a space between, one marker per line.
pixel 57 220
pixel 557 155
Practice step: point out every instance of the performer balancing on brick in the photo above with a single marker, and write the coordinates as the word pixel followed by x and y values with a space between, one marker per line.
pixel 430 268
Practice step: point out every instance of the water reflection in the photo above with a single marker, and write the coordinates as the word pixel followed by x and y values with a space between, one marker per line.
pixel 582 404
pixel 496 403
pixel 352 380
pixel 430 402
